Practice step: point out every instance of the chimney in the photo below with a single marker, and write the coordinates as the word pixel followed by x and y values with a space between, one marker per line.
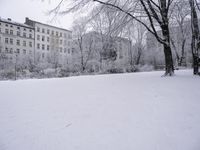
pixel 9 19
pixel 27 19
pixel 29 22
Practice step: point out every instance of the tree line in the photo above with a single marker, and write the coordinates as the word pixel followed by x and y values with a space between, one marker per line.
pixel 154 15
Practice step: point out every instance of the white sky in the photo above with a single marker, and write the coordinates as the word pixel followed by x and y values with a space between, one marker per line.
pixel 37 10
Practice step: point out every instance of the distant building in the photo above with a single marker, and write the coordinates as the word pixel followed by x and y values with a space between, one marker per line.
pixel 155 49
pixel 16 41
pixel 102 46
pixel 52 44
pixel 33 42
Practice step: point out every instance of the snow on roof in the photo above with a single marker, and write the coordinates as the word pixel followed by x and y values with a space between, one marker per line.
pixel 14 23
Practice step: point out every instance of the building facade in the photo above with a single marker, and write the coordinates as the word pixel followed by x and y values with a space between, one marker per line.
pixel 34 42
pixel 16 42
pixel 52 44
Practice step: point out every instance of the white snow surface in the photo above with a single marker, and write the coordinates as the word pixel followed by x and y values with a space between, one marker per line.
pixel 136 111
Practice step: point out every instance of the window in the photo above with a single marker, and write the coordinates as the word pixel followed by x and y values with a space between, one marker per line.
pixel 65 35
pixel 43 38
pixel 24 29
pixel 56 41
pixel 38 46
pixel 30 35
pixel 61 49
pixel 68 43
pixel 38 37
pixel 18 33
pixel 11 32
pixel 52 32
pixel 6 50
pixel 73 50
pixel 24 43
pixel 65 42
pixel 6 40
pixel 30 44
pixel 18 42
pixel 38 29
pixel 7 31
pixel 60 41
pixel 47 39
pixel 65 50
pixel 0 29
pixel 56 33
pixel 24 51
pixel 11 41
pixel 43 31
pixel 42 55
pixel 68 51
pixel 47 47
pixel 60 34
pixel 6 25
pixel 11 50
pixel 24 34
pixel 47 31
pixel 43 46
pixel 30 30
pixel 17 51
pixel 30 52
pixel 18 28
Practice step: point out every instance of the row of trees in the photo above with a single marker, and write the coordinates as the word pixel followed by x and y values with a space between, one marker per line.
pixel 153 15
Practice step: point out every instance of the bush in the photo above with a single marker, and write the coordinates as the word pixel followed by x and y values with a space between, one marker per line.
pixel 7 75
pixel 64 73
pixel 115 70
pixel 145 68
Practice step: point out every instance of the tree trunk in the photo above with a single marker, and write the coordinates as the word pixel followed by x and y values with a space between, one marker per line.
pixel 195 65
pixel 182 53
pixel 195 44
pixel 169 67
pixel 176 52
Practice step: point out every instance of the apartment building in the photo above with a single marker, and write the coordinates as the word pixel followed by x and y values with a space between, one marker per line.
pixel 16 42
pixel 52 44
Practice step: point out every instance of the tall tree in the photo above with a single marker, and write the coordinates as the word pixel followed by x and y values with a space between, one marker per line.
pixel 84 44
pixel 195 44
pixel 179 22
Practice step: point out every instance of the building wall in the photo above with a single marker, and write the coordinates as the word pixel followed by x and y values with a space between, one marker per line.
pixel 52 44
pixel 16 41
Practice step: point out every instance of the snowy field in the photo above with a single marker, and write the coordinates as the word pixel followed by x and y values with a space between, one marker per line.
pixel 139 111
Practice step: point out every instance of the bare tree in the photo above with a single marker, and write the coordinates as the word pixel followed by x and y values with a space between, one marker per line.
pixel 180 22
pixel 156 12
pixel 83 45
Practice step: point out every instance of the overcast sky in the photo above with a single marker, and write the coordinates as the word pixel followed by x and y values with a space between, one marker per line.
pixel 37 10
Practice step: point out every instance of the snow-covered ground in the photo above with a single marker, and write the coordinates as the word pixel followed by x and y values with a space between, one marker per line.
pixel 139 111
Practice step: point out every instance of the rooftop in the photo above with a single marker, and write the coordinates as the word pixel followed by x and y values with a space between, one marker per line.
pixel 9 21
pixel 27 19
